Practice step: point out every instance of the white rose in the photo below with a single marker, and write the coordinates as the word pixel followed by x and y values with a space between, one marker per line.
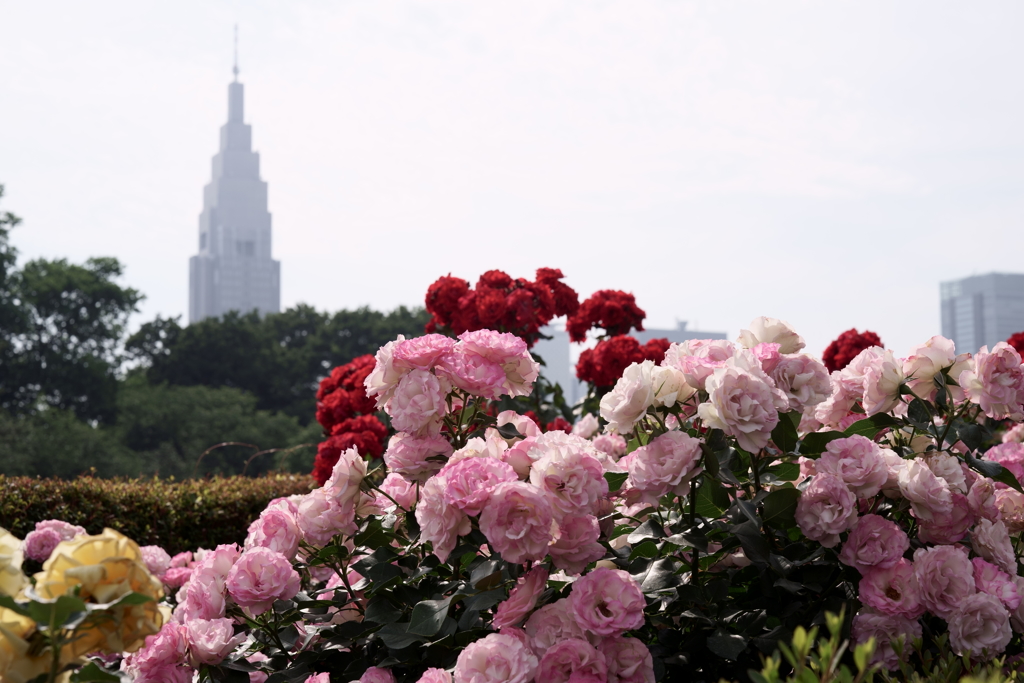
pixel 741 405
pixel 628 401
pixel 771 331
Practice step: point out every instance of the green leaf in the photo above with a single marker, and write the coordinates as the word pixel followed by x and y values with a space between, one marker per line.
pixel 786 471
pixel 784 435
pixel 8 602
pixel 710 461
pixel 646 549
pixel 993 470
pixel 712 500
pixel 754 546
pixel 780 507
pixel 427 616
pixel 59 612
pixel 727 645
pixel 374 535
pixel 814 443
pixel 871 426
pixel 919 415
pixel 649 529
pixel 659 575
pixel 615 480
pixel 482 601
pixel 397 637
pixel 381 611
pixel 90 673
pixel 509 431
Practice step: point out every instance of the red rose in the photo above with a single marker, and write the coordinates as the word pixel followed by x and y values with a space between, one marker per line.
pixel 846 347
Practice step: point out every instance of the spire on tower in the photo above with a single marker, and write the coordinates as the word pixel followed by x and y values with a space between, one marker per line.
pixel 235 70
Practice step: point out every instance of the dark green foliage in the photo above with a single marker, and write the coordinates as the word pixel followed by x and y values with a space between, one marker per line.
pixel 175 515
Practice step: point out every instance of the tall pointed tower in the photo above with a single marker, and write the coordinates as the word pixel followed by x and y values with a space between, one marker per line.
pixel 233 270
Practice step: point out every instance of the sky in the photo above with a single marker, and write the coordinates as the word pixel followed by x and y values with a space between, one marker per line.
pixel 827 163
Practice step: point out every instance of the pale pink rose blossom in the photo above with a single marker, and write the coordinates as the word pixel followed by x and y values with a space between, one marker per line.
pixel 469 482
pixel 1010 503
pixel 742 406
pixel 319 678
pixel 277 530
pixel 990 579
pixel 385 376
pixel 992 541
pixel 175 577
pixel 510 353
pixel 518 456
pixel 585 428
pixel 376 674
pixel 827 508
pixel 883 374
pixel 517 521
pixel 39 543
pixel 184 559
pixel 947 467
pixel 66 530
pixel 996 382
pixel 402 491
pixel 203 595
pixel 874 542
pixel 522 599
pixel 893 590
pixel 261 576
pixel 947 528
pixel 492 445
pixel 945 576
pixel 1017 615
pixel 982 498
pixel 566 469
pixel 669 386
pixel 210 640
pixel 698 358
pixel 576 545
pixel 349 611
pixel 156 559
pixel 1014 434
pixel 496 658
pixel 320 517
pixel 928 495
pixel 162 658
pixel 894 464
pixel 418 404
pixel 628 659
pixel 927 360
pixel 420 353
pixel 607 602
pixel 573 660
pixel 473 373
pixel 858 461
pixel 435 676
pixel 767 355
pixel 346 477
pixel 440 523
pixel 629 399
pixel 803 379
pixel 550 624
pixel 611 444
pixel 1009 455
pixel 416 458
pixel 765 330
pixel 523 424
pixel 846 392
pixel 980 627
pixel 886 629
pixel 667 464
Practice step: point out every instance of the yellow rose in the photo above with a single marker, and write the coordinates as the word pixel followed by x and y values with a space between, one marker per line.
pixel 16 666
pixel 104 568
pixel 12 580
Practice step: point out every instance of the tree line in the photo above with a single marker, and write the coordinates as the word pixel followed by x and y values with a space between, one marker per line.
pixel 78 393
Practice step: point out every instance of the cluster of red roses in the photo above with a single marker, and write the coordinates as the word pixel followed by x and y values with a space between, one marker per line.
pixel 604 364
pixel 1017 341
pixel 611 309
pixel 499 303
pixel 346 413
pixel 846 346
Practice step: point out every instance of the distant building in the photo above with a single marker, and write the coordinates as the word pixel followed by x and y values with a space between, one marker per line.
pixel 560 367
pixel 982 310
pixel 234 270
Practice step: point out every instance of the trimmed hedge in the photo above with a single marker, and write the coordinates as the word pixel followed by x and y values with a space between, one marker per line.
pixel 177 515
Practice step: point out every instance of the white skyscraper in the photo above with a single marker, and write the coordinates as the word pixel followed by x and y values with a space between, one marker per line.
pixel 982 310
pixel 234 270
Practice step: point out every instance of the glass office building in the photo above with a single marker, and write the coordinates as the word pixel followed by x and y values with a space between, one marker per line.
pixel 982 310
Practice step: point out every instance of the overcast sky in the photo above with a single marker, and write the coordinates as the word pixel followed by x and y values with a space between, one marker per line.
pixel 823 162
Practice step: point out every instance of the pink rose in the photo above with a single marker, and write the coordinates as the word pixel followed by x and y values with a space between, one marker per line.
pixel 416 458
pixel 496 658
pixel 261 576
pixel 667 464
pixel 156 559
pixel 551 624
pixel 945 577
pixel 882 377
pixel 698 358
pixel 991 540
pixel 473 373
pixel 764 330
pixel 980 627
pixel 586 427
pixel 949 469
pixel 418 405
pixel 182 559
pixel 320 517
pixel 628 659
pixel 469 481
pixel 518 456
pixel 1009 455
pixel 1010 503
pixel 565 468
pixel 400 490
pixel 522 599
pixel 346 478
pixel 277 530
pixel 440 523
pixel 988 578
pixel 607 602
pixel 874 542
pixel 576 545
pixel 340 595
pixel 420 353
pixel 947 528
pixel 846 391
pixel 319 678
pixel 573 660
pixel 929 359
pixel 517 522
pixel 435 676
pixel 66 530
pixel 803 379
pixel 611 444
pixel 162 658
pixel 523 424
pixel 629 399
pixel 210 640
pixel 996 382
pixel 886 629
pixel 507 351
pixel 929 495
pixel 826 509
pixel 377 675
pixel 982 500
pixel 385 376
pixel 1014 434
pixel 741 405
pixel 202 597
pixel 893 590
pixel 858 461
pixel 38 544
pixel 175 577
